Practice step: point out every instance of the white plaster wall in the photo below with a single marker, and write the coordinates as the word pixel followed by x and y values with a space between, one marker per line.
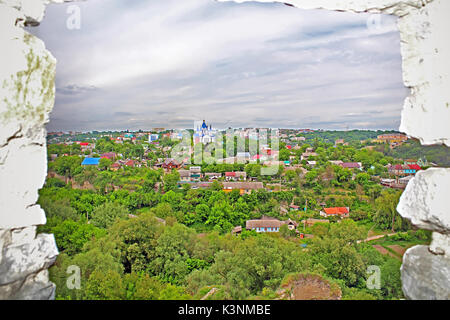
pixel 27 93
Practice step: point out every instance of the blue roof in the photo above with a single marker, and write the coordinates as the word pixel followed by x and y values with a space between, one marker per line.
pixel 90 162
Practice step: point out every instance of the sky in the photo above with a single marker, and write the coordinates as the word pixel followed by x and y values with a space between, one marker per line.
pixel 167 63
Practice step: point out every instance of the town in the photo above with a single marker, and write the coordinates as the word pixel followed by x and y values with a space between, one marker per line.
pixel 176 218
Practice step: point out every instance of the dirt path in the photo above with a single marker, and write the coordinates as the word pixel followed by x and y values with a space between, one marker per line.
pixel 383 250
pixel 210 292
pixel 399 249
pixel 376 237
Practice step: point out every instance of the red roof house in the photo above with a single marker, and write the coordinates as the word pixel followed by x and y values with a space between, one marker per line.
pixel 414 167
pixel 335 211
pixel 350 165
pixel 115 166
pixel 108 155
pixel 129 163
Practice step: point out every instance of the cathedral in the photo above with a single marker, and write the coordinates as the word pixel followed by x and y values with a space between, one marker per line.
pixel 204 134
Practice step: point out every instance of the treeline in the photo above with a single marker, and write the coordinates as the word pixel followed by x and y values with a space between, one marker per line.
pixel 142 258
pixel 412 149
pixel 348 136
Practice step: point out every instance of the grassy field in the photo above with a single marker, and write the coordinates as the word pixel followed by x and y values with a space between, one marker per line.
pixel 395 248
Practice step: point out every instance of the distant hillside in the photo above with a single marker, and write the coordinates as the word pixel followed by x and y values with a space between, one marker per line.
pixel 412 149
pixel 348 136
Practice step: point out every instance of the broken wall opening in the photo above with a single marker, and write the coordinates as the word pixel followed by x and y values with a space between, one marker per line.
pixel 425 50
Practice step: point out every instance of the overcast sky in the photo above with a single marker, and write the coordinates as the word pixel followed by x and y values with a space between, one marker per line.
pixel 166 63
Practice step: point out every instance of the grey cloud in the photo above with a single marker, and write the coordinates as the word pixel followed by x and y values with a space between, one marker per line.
pixel 74 89
pixel 166 63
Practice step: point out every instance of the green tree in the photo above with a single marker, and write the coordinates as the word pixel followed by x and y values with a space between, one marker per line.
pixel 386 214
pixel 71 236
pixel 173 248
pixel 104 163
pixel 106 214
pixel 170 181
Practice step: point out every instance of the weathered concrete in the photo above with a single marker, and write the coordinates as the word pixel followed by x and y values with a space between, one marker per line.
pixel 424 200
pixel 27 93
pixel 425 275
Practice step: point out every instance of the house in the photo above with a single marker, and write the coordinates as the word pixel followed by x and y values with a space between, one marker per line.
pixel 308 153
pixel 195 185
pixel 195 173
pixel 268 224
pixel 387 182
pixel 184 175
pixel 84 144
pixel 412 169
pixel 237 230
pixel 90 162
pixel 403 170
pixel 235 176
pixel 410 161
pixel 169 164
pixel 109 155
pixel 130 163
pixel 396 183
pixel 311 163
pixel 115 166
pixel 243 187
pixel 294 207
pixel 339 141
pixel 342 212
pixel 213 175
pixel 351 165
pixel 391 138
pixel 264 224
pixel 292 225
pixel 396 169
